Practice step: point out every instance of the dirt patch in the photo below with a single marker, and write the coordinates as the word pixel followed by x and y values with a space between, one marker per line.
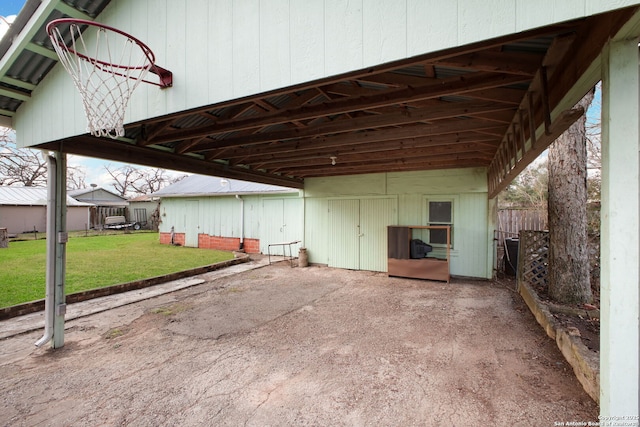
pixel 581 320
pixel 588 329
pixel 301 346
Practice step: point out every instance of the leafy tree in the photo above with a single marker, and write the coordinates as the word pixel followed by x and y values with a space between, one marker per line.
pixel 528 190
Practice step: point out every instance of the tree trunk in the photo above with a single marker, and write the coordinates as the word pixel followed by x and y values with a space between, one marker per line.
pixel 568 255
pixel 4 238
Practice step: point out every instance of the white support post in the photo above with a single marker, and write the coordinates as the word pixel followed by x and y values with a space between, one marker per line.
pixel 620 234
pixel 60 236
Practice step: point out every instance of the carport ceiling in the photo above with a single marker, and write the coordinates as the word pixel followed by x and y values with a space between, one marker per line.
pixel 472 106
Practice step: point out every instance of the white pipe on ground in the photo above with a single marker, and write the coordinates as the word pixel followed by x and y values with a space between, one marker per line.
pixel 51 253
pixel 241 221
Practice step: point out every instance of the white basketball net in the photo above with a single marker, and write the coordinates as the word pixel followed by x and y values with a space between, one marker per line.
pixel 106 75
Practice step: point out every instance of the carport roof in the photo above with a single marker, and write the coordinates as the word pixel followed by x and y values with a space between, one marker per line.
pixel 476 105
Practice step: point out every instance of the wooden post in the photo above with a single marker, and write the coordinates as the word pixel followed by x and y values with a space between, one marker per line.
pixel 4 238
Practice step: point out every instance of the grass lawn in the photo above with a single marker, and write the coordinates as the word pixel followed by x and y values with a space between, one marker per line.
pixel 95 262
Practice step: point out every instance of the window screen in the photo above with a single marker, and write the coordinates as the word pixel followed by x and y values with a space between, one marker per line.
pixel 440 213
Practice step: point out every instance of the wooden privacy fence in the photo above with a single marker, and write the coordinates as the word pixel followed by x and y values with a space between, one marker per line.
pixel 511 221
pixel 99 213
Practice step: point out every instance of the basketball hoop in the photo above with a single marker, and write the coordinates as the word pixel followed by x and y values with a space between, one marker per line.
pixel 106 66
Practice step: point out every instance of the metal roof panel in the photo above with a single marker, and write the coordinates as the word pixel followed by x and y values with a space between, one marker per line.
pixel 201 185
pixel 30 196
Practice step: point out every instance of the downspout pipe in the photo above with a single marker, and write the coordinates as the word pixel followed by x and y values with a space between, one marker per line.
pixel 51 253
pixel 241 221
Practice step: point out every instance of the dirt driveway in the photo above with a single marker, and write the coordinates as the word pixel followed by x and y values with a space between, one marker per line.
pixel 299 346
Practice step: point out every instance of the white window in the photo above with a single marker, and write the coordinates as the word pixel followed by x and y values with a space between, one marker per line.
pixel 439 211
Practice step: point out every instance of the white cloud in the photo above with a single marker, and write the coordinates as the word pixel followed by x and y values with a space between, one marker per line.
pixel 4 23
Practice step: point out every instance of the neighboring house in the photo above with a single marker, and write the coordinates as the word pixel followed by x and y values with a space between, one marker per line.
pixel 143 210
pixel 104 201
pixel 228 214
pixel 24 209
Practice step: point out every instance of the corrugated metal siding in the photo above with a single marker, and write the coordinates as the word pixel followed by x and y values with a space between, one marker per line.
pixel 20 219
pixel 191 222
pixel 281 221
pixel 293 219
pixel 471 216
pixel 331 225
pixel 375 216
pixel 316 235
pixel 343 229
pixel 272 225
pixel 220 216
pixel 471 255
pixel 252 216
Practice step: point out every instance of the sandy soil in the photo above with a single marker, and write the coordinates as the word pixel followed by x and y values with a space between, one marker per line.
pixel 299 346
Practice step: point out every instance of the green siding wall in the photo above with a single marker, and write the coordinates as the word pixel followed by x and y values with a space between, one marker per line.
pixel 220 216
pixel 367 201
pixel 467 188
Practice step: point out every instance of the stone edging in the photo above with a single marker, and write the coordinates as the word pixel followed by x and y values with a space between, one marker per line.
pixel 35 306
pixel 585 364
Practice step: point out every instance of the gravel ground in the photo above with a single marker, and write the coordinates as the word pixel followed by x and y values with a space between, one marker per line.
pixel 299 346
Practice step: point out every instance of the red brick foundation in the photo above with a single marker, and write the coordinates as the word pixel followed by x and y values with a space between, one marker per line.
pixel 252 246
pixel 205 241
pixel 178 238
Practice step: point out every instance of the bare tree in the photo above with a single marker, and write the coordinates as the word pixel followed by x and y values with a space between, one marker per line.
pixel 28 167
pixel 568 256
pixel 20 166
pixel 129 180
pixel 150 181
pixel 122 178
pixel 76 178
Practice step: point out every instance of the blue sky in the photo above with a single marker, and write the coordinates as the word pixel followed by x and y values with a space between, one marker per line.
pixel 10 7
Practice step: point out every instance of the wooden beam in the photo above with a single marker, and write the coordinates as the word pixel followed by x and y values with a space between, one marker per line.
pixel 503 95
pixel 496 61
pixel 105 148
pixel 312 150
pixel 557 128
pixel 398 167
pixel 321 158
pixel 432 144
pixel 403 116
pixel 452 128
pixel 457 85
